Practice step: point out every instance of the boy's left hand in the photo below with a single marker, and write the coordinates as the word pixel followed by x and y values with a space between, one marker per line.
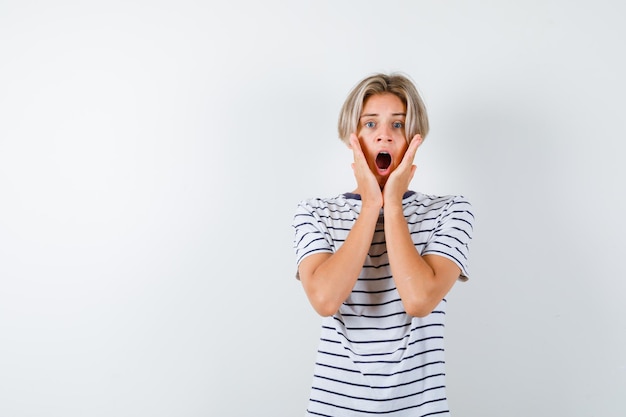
pixel 400 178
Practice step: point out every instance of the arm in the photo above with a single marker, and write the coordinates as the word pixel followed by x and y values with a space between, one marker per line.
pixel 421 281
pixel 328 279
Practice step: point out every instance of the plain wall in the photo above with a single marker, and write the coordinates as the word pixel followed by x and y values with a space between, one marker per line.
pixel 152 154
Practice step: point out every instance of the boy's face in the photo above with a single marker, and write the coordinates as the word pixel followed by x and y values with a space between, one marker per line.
pixel 381 134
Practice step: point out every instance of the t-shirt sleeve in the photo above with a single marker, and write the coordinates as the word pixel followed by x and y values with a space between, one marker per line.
pixel 310 233
pixel 453 234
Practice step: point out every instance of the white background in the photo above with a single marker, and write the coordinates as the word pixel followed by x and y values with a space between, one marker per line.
pixel 152 154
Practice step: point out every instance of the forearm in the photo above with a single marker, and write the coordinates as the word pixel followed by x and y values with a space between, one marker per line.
pixel 415 279
pixel 330 282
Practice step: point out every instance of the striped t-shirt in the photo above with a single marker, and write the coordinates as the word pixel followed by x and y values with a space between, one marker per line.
pixel 373 358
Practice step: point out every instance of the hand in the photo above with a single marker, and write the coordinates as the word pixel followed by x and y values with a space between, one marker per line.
pixel 367 185
pixel 400 178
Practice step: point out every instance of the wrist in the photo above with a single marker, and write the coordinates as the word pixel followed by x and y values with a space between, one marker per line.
pixel 393 209
pixel 373 203
pixel 371 208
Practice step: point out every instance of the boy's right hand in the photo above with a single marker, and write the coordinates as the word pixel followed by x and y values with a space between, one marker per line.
pixel 367 185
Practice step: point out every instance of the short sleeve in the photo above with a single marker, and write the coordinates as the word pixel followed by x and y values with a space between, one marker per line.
pixel 310 233
pixel 453 233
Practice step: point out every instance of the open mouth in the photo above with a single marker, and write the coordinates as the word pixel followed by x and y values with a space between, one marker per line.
pixel 383 160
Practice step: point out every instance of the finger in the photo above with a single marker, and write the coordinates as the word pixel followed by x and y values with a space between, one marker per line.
pixel 415 143
pixel 356 148
pixel 354 141
pixel 409 156
pixel 413 168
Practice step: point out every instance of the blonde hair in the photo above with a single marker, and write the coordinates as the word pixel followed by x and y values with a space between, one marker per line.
pixel 395 83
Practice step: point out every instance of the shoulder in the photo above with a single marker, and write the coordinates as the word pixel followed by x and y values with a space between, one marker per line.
pixel 416 197
pixel 435 211
pixel 424 203
pixel 342 203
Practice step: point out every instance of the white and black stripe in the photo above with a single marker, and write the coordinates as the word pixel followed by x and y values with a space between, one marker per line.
pixel 373 358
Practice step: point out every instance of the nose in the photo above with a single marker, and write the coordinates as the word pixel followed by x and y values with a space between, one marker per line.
pixel 384 134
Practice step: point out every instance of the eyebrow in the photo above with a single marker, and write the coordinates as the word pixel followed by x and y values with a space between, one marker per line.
pixel 376 114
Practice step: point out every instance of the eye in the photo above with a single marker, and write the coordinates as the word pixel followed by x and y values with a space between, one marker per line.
pixel 369 124
pixel 398 125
